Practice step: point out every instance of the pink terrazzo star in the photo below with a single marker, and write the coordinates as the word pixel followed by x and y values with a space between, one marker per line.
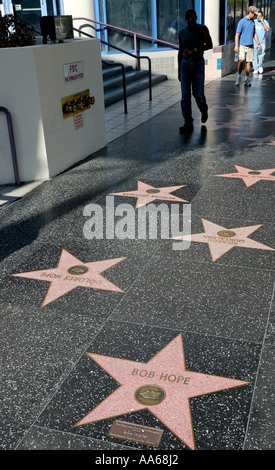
pixel 249 176
pixel 268 140
pixel 230 107
pixel 71 273
pixel 268 118
pixel 221 240
pixel 162 385
pixel 146 194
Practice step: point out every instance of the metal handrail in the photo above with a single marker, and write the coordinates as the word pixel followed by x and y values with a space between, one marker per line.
pixel 12 144
pixel 127 31
pixel 128 53
pixel 123 81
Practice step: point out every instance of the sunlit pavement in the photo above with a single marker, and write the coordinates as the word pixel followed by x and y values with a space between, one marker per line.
pixel 127 343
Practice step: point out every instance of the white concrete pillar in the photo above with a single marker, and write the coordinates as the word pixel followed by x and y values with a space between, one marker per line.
pixel 212 20
pixel 7 7
pixel 80 8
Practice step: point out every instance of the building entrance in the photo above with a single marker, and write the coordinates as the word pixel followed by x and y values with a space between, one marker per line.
pixel 154 18
pixel 31 10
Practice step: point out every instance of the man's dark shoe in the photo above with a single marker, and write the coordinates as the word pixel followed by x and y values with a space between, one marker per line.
pixel 186 128
pixel 204 116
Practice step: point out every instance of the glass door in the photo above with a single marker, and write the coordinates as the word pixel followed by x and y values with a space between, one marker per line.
pixel 171 18
pixel 31 10
pixel 134 16
pixel 100 15
pixel 154 18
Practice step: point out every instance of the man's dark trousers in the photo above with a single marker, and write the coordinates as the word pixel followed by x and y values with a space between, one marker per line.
pixel 192 77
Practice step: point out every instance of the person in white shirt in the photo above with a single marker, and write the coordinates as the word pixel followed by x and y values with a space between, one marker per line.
pixel 261 27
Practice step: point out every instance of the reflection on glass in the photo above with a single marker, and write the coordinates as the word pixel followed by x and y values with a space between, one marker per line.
pixel 230 31
pixel 50 9
pixel 171 18
pixel 100 29
pixel 245 7
pixel 238 12
pixel 134 16
pixel 30 10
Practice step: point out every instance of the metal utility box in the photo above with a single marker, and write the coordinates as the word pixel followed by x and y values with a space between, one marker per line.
pixel 55 95
pixel 56 28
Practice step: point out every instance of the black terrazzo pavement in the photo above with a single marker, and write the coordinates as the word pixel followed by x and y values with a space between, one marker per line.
pixel 224 310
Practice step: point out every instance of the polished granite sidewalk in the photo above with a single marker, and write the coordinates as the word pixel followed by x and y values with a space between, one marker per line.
pixel 103 335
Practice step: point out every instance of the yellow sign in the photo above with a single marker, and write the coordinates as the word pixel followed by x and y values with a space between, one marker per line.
pixel 77 103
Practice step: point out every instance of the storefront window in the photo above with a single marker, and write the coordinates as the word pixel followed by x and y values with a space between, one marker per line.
pixel 246 5
pixel 259 4
pixel 133 16
pixel 238 12
pixel 268 9
pixel 154 18
pixel 230 28
pixel 171 18
pixel 265 8
pixel 29 11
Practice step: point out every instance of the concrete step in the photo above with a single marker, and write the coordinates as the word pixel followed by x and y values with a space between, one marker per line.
pixel 117 82
pixel 111 71
pixel 116 94
pixel 135 81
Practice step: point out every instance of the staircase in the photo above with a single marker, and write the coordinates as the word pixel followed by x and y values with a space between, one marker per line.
pixel 135 81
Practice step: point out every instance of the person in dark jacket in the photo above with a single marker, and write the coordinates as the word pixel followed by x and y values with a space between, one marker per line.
pixel 194 39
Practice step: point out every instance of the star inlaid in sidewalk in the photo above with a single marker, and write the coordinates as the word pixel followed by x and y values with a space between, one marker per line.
pixel 262 83
pixel 230 107
pixel 146 194
pixel 249 176
pixel 233 125
pixel 71 273
pixel 268 118
pixel 162 385
pixel 268 140
pixel 221 240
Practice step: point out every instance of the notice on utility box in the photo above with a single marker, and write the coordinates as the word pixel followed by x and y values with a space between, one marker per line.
pixel 73 72
pixel 78 121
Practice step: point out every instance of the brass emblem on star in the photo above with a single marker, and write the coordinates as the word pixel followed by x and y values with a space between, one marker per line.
pixel 77 270
pixel 150 395
pixel 254 172
pixel 152 191
pixel 226 233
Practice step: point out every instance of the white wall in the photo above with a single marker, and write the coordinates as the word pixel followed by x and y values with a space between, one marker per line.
pixel 79 8
pixel 212 19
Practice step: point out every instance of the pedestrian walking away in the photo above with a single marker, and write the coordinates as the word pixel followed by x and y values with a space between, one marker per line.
pixel 194 39
pixel 245 35
pixel 262 27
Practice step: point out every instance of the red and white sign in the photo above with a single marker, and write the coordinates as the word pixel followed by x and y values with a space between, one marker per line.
pixel 73 72
pixel 78 121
